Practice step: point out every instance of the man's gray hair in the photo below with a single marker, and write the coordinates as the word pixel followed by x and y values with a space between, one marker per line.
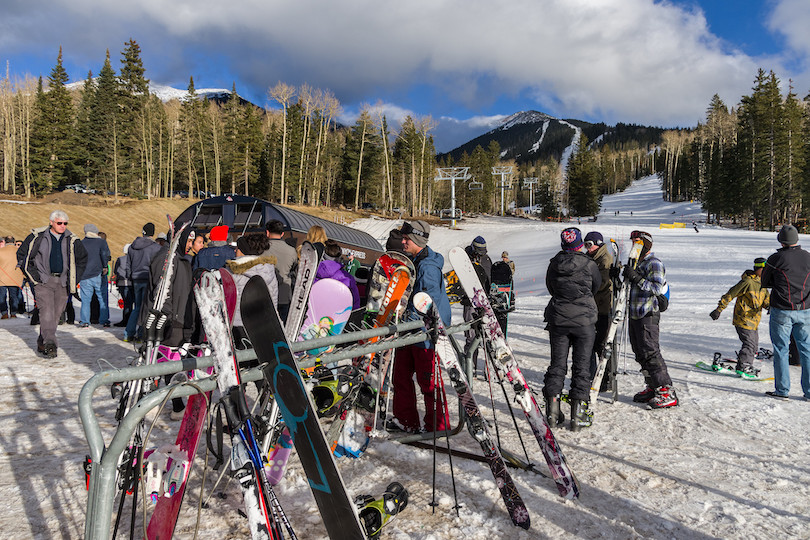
pixel 58 214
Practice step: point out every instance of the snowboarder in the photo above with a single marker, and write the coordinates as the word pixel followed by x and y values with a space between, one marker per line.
pixel 572 279
pixel 505 258
pixel 648 280
pixel 751 299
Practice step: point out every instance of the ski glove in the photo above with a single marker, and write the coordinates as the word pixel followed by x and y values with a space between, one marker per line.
pixel 615 272
pixel 631 274
pixel 715 314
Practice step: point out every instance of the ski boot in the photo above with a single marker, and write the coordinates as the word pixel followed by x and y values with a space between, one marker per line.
pixel 747 372
pixel 665 396
pixel 329 394
pixel 554 415
pixel 375 514
pixel 581 415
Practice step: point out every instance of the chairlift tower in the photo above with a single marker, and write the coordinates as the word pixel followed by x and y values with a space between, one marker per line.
pixel 529 183
pixel 505 172
pixel 452 174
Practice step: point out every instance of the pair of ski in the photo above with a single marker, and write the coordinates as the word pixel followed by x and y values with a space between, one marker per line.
pixel 504 362
pixel 339 512
pixel 619 312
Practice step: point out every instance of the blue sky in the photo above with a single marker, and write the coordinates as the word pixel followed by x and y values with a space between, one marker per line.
pixel 465 63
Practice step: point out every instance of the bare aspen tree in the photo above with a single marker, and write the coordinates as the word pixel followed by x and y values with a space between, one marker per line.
pixel 216 129
pixel 423 126
pixel 365 121
pixel 283 93
pixel 387 203
pixel 329 107
pixel 8 131
pixel 307 100
pixel 25 105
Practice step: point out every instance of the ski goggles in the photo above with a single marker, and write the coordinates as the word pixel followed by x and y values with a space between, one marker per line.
pixel 407 228
pixel 641 235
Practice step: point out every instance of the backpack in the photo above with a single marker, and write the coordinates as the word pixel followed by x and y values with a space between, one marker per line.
pixel 663 299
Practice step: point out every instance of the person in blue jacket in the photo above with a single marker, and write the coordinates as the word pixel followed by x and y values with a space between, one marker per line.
pixel 419 359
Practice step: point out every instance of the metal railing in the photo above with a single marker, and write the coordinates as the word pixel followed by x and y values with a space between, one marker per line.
pixel 104 458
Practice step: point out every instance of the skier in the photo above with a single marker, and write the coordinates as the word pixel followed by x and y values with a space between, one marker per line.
pixel 648 280
pixel 419 359
pixel 694 225
pixel 787 273
pixel 477 252
pixel 598 251
pixel 572 279
pixel 250 261
pixel 140 253
pixel 751 299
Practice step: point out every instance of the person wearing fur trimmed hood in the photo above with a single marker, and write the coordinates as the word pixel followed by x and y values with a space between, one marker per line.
pixel 251 261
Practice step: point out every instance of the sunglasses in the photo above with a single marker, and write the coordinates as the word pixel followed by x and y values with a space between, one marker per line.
pixel 60 222
pixel 407 228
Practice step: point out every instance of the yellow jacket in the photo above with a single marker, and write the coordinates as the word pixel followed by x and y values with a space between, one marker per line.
pixel 751 297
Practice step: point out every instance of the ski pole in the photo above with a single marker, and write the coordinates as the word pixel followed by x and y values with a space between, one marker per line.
pixel 446 416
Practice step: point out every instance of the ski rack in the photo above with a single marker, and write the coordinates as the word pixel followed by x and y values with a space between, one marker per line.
pixel 104 458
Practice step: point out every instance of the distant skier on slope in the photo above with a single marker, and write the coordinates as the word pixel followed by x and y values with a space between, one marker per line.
pixel 751 299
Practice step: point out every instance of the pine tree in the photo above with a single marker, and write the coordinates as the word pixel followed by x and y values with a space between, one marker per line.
pixel 53 141
pixel 583 181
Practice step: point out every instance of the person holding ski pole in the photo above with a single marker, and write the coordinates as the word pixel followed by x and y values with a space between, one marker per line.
pixel 751 299
pixel 648 281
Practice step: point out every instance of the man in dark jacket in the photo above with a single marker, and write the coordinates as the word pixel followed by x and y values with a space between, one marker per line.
pixel 419 359
pixel 140 254
pixel 598 251
pixel 572 279
pixel 94 278
pixel 214 255
pixel 787 274
pixel 477 252
pixel 286 263
pixel 648 280
pixel 53 259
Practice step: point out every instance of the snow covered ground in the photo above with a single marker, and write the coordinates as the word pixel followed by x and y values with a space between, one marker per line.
pixel 730 462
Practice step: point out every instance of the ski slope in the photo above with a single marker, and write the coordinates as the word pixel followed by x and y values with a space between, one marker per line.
pixel 730 462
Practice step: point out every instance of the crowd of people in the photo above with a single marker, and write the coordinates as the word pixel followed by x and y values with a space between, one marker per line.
pixel 582 280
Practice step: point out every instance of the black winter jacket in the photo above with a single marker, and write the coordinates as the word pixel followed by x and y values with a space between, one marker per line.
pixel 787 274
pixel 31 261
pixel 572 279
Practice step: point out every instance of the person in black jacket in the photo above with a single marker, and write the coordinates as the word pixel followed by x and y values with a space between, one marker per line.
pixel 572 279
pixel 53 259
pixel 140 253
pixel 787 274
pixel 477 252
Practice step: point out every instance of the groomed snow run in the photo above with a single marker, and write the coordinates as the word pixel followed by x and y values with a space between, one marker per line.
pixel 730 462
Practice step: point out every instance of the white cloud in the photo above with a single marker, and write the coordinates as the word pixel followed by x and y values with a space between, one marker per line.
pixel 613 60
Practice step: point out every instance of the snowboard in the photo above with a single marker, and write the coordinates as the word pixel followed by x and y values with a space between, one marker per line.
pixel 476 424
pixel 616 320
pixel 503 360
pixel 329 308
pixel 728 367
pixel 453 288
pixel 502 294
pixel 283 374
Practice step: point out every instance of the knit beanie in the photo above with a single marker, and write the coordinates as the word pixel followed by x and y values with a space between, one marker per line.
pixel 788 235
pixel 479 244
pixel 595 237
pixel 219 234
pixel 759 262
pixel 149 229
pixel 571 239
pixel 417 231
pixel 90 228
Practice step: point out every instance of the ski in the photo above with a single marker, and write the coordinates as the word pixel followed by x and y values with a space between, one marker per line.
pixel 503 360
pixel 246 459
pixel 508 458
pixel 616 321
pixel 311 255
pixel 283 374
pixel 476 424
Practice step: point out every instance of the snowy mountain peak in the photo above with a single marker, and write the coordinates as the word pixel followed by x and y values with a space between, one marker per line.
pixel 525 117
pixel 167 93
